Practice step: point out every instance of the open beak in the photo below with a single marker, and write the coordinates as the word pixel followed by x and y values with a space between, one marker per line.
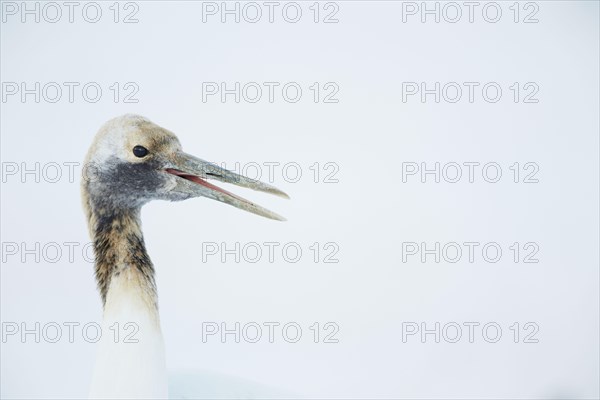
pixel 195 172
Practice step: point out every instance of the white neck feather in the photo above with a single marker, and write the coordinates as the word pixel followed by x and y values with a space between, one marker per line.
pixel 130 365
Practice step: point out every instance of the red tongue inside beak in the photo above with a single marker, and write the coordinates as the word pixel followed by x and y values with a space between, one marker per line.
pixel 200 181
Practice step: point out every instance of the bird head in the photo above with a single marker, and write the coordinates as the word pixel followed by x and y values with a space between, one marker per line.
pixel 133 161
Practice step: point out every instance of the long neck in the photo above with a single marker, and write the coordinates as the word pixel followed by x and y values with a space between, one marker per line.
pixel 130 361
pixel 120 252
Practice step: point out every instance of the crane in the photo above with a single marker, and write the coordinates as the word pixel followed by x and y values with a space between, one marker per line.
pixel 136 161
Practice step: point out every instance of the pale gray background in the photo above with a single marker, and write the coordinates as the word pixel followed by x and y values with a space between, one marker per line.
pixel 369 213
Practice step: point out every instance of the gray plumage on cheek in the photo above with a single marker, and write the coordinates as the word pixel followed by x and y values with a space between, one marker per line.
pixel 128 185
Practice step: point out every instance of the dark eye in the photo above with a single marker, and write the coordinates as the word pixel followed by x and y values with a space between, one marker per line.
pixel 140 151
